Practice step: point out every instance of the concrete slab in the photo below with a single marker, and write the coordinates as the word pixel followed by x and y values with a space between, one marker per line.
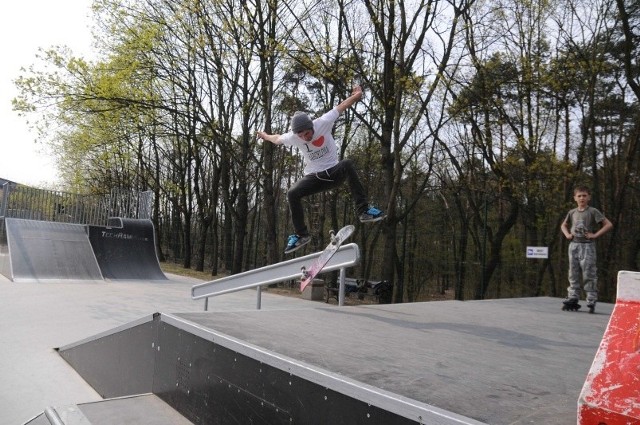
pixel 133 410
pixel 146 409
pixel 509 361
pixel 38 317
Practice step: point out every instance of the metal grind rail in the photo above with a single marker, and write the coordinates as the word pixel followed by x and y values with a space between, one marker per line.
pixel 346 256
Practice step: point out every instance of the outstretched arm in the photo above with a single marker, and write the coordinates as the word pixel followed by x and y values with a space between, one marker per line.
pixel 356 95
pixel 273 138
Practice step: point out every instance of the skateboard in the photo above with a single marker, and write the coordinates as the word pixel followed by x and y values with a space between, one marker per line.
pixel 316 267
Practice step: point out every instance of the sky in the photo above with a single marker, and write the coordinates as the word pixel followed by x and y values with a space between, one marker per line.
pixel 25 26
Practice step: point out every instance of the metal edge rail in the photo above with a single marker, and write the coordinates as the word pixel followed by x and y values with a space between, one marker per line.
pixel 346 256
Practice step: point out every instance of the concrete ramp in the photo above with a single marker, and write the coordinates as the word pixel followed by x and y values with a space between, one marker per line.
pixel 32 250
pixel 126 249
pixel 43 250
pixel 210 377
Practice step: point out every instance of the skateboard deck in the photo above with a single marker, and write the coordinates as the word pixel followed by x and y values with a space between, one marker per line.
pixel 316 267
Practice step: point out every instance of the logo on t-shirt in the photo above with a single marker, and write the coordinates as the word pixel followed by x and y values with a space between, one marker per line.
pixel 314 155
pixel 580 229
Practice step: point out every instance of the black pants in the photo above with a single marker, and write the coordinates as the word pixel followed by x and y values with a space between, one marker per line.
pixel 320 182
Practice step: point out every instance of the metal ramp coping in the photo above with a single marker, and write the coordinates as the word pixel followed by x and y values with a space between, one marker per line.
pixel 346 256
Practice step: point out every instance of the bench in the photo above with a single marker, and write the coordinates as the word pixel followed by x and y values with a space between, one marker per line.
pixel 332 292
pixel 379 292
pixel 332 289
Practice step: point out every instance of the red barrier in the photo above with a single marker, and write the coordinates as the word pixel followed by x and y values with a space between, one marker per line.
pixel 611 392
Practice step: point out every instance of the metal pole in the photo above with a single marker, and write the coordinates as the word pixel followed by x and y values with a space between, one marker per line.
pixel 206 304
pixel 343 272
pixel 259 301
pixel 52 416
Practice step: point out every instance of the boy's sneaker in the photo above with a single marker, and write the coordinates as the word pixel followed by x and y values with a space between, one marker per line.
pixel 570 304
pixel 371 215
pixel 296 242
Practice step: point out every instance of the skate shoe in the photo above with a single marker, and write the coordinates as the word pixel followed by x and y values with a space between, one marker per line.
pixel 592 306
pixel 372 215
pixel 570 304
pixel 296 242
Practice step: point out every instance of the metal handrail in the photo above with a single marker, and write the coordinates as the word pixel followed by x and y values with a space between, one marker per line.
pixel 346 256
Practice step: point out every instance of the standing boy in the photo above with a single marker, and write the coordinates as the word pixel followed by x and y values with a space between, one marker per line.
pixel 580 227
pixel 322 169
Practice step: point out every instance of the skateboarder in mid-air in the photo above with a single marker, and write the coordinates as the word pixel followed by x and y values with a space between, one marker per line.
pixel 322 169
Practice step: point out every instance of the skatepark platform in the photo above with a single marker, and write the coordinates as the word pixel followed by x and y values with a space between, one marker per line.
pixel 508 361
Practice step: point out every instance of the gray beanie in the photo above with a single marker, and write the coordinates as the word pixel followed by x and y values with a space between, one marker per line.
pixel 301 122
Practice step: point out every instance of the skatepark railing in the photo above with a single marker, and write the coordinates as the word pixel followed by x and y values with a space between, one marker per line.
pixel 4 196
pixel 19 201
pixel 346 256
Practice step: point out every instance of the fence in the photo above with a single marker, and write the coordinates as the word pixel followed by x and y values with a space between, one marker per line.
pixel 18 201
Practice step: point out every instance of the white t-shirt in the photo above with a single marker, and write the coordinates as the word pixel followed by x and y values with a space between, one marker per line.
pixel 321 152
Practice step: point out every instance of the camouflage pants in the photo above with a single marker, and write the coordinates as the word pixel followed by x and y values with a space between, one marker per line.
pixel 582 268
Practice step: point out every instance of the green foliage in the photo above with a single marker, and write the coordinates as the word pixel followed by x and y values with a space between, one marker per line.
pixel 475 124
